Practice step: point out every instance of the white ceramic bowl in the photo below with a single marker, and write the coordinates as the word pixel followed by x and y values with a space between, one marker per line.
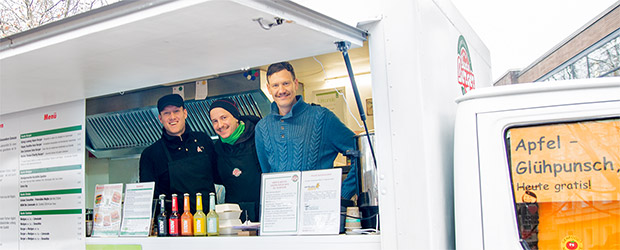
pixel 227 207
pixel 226 215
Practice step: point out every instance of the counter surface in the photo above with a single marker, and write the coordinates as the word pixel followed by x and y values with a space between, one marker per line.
pixel 322 242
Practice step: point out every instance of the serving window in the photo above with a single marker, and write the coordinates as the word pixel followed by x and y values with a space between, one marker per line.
pixel 565 180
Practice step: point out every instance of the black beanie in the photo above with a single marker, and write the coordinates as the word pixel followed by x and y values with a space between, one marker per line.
pixel 227 104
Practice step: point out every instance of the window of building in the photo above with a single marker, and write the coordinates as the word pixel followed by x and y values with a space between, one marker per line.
pixel 566 184
pixel 601 60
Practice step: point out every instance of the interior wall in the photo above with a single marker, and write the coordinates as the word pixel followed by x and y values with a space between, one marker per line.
pixel 106 171
pixel 351 118
pixel 96 173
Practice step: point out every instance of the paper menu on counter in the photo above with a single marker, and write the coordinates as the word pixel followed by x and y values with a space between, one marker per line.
pixel 320 202
pixel 280 203
pixel 295 203
pixel 137 212
pixel 107 210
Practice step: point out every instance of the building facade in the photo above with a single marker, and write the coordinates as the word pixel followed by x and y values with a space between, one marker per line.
pixel 592 51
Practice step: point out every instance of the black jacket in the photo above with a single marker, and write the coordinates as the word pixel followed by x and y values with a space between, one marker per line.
pixel 154 162
pixel 238 165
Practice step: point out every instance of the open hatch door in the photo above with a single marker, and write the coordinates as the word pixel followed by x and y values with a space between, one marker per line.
pixel 137 44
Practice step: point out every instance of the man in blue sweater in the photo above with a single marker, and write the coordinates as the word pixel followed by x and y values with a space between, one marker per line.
pixel 297 135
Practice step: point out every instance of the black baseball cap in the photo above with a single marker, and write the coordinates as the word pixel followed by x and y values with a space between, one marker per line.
pixel 171 99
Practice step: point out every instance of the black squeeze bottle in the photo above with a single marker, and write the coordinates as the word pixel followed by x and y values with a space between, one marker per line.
pixel 162 218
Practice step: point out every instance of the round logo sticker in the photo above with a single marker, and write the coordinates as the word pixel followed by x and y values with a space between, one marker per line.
pixel 571 242
pixel 236 172
pixel 465 72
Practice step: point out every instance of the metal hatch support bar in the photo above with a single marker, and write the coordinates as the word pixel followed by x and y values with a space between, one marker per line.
pixel 343 46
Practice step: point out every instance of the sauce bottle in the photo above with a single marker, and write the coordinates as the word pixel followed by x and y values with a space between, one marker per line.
pixel 173 221
pixel 213 220
pixel 200 227
pixel 186 218
pixel 162 218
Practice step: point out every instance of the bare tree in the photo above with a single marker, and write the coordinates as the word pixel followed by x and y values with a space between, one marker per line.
pixel 20 15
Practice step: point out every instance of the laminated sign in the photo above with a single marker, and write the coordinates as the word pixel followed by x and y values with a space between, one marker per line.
pixel 566 162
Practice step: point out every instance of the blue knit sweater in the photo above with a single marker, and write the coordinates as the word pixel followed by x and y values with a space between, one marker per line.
pixel 307 138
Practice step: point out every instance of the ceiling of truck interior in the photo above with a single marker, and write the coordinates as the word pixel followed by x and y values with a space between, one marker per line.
pixel 167 42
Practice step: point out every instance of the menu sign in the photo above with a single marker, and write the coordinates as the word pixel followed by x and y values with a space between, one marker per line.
pixel 301 202
pixel 42 178
pixel 566 162
pixel 107 209
pixel 137 212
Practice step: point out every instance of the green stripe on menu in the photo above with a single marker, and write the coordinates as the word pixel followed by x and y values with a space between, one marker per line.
pixel 52 169
pixel 51 192
pixel 51 212
pixel 51 131
pixel 113 247
pixel 139 189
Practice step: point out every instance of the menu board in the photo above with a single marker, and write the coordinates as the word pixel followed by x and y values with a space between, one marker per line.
pixel 42 178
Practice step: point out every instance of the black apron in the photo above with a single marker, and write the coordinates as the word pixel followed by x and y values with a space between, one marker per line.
pixel 191 175
pixel 240 172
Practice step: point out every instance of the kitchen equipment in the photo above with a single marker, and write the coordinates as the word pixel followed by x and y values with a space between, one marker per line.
pixel 368 199
pixel 369 192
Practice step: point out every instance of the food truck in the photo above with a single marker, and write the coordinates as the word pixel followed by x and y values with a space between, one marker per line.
pixel 76 101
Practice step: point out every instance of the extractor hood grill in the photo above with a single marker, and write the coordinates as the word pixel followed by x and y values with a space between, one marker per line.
pixel 127 133
pixel 123 129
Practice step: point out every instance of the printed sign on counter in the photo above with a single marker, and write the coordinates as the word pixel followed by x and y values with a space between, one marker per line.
pixel 137 212
pixel 107 210
pixel 296 203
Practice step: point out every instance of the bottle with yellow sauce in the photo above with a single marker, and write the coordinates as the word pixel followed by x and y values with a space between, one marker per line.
pixel 200 219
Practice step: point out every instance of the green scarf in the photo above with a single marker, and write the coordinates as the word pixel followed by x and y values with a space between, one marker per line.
pixel 235 135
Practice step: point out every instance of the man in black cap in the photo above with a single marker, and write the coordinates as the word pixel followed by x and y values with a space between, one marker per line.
pixel 237 161
pixel 181 161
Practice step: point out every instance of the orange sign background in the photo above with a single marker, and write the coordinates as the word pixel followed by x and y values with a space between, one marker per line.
pixel 567 162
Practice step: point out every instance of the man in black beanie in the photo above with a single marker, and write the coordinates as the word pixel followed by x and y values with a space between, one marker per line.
pixel 237 161
pixel 181 161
